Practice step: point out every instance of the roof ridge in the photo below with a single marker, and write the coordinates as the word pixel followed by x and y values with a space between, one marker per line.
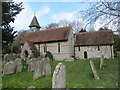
pixel 94 31
pixel 62 28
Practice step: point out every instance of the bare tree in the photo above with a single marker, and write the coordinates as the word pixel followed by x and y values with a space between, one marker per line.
pixel 76 25
pixel 107 10
pixel 52 26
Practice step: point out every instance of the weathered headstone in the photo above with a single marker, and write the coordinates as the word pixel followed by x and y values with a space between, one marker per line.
pixel 43 69
pixel 59 76
pixel 101 61
pixel 94 70
pixel 9 68
pixel 46 67
pixel 32 65
pixel 38 71
pixel 18 65
pixel 6 56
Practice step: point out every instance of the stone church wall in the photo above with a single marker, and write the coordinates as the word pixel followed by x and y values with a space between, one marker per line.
pixel 93 52
pixel 53 48
pixel 66 48
pixel 26 48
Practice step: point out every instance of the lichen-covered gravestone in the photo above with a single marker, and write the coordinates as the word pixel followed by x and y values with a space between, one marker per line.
pixel 59 76
pixel 18 65
pixel 101 61
pixel 43 69
pixel 46 67
pixel 38 71
pixel 32 65
pixel 9 68
pixel 94 70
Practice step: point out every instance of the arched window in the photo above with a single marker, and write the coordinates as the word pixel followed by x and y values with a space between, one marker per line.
pixel 59 47
pixel 85 55
pixel 26 53
pixel 98 48
pixel 45 48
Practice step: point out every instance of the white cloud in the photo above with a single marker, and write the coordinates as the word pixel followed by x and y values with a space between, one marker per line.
pixel 44 10
pixel 23 19
pixel 70 16
pixel 103 21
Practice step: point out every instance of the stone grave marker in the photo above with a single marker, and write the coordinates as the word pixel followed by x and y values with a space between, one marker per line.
pixel 101 61
pixel 38 71
pixel 32 65
pixel 94 70
pixel 43 69
pixel 18 65
pixel 9 68
pixel 59 76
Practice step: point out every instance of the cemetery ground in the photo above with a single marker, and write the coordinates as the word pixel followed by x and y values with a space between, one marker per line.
pixel 79 75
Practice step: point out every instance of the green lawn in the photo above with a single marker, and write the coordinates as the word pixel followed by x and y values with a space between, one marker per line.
pixel 79 75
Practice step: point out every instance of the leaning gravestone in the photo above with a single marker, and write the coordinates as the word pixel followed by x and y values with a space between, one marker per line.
pixel 9 68
pixel 59 76
pixel 18 65
pixel 94 70
pixel 101 61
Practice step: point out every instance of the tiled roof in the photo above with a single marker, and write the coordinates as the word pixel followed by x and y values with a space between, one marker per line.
pixel 57 34
pixel 34 22
pixel 94 38
pixel 31 45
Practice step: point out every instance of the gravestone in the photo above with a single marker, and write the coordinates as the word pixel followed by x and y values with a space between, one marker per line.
pixel 18 65
pixel 101 61
pixel 59 76
pixel 94 70
pixel 46 67
pixel 32 65
pixel 38 71
pixel 9 68
pixel 43 69
pixel 7 56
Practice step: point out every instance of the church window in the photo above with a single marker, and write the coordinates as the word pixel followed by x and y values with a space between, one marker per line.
pixel 79 48
pixel 58 47
pixel 39 47
pixel 45 48
pixel 98 48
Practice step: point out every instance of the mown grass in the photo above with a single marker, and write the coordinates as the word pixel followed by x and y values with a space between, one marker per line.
pixel 79 75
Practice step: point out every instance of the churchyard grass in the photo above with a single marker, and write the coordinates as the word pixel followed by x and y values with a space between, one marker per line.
pixel 79 75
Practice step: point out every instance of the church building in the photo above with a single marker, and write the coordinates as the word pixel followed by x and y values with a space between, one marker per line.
pixel 63 44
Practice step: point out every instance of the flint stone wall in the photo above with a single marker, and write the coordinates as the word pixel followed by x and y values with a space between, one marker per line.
pixel 92 51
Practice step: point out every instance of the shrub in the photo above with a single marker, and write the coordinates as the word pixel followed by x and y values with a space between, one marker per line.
pixel 49 55
pixel 36 54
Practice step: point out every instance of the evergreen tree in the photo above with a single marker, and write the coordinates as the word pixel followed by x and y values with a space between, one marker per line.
pixel 9 11
pixel 83 30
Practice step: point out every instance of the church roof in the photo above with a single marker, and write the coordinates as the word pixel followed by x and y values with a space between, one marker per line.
pixel 31 45
pixel 94 38
pixel 58 34
pixel 34 22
